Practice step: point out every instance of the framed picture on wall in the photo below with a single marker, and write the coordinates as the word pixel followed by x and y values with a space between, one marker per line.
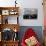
pixel 30 13
pixel 5 12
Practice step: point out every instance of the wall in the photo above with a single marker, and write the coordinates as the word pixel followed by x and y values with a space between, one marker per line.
pixel 32 4
pixel 27 4
pixel 7 3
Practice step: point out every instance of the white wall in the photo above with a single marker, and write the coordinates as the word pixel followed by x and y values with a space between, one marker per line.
pixel 27 4
pixel 7 3
pixel 32 4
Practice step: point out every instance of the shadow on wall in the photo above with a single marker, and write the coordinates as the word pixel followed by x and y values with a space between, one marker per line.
pixel 37 29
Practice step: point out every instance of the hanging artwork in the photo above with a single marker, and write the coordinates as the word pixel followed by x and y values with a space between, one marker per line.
pixel 5 12
pixel 30 13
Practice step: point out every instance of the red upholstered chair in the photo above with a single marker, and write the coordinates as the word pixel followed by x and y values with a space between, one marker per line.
pixel 29 33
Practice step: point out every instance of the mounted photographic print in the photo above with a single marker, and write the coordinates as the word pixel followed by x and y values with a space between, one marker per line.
pixel 5 12
pixel 30 13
